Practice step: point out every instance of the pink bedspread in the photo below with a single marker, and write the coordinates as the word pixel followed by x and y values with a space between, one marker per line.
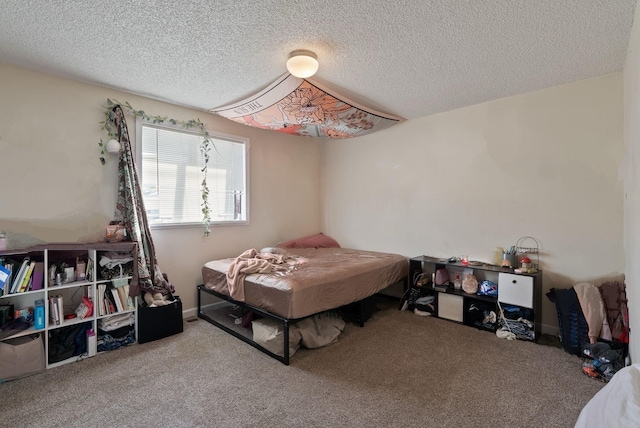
pixel 326 278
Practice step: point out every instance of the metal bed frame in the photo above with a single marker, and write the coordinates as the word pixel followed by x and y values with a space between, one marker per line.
pixel 359 319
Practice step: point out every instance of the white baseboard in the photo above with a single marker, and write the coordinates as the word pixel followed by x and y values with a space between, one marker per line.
pixel 193 312
pixel 189 313
pixel 550 329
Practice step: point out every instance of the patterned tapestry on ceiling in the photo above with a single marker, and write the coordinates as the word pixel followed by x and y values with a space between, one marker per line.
pixel 303 107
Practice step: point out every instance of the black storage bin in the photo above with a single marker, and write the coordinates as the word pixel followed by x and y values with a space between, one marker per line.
pixel 359 312
pixel 158 322
pixel 572 325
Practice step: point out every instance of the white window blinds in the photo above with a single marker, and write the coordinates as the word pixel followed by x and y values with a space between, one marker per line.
pixel 172 177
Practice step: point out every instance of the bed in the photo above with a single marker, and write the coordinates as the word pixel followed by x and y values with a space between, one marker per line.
pixel 311 281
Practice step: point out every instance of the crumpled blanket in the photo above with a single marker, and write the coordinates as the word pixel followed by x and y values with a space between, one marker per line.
pixel 251 261
pixel 615 405
pixel 593 311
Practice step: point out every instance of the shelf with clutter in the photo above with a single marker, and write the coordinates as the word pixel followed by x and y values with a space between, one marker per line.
pixel 50 293
pixel 498 298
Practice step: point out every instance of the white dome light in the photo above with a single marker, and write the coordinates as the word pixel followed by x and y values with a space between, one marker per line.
pixel 302 63
pixel 113 146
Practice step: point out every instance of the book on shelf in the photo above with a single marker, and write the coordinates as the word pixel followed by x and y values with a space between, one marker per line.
pixel 9 265
pixel 127 301
pixel 109 306
pixel 60 304
pixel 19 277
pixel 54 315
pixel 5 274
pixel 100 300
pixel 105 300
pixel 116 300
pixel 37 276
pixel 122 285
pixel 27 277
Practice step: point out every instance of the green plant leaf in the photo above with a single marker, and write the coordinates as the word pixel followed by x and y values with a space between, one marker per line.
pixel 108 126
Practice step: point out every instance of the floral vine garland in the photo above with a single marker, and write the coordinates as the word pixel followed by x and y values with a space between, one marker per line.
pixel 108 125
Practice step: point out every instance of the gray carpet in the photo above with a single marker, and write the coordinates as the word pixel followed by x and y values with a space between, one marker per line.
pixel 400 370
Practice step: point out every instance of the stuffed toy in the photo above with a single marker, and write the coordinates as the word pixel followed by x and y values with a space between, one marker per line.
pixel 155 299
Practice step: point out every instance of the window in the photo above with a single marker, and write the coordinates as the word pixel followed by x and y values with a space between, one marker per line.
pixel 171 176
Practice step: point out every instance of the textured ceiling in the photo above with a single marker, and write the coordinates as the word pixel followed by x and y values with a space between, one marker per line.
pixel 407 58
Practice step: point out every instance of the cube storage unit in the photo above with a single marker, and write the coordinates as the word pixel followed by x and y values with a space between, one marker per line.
pixel 63 276
pixel 516 292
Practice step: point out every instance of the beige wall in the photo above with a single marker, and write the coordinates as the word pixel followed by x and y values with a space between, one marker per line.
pixel 54 188
pixel 632 183
pixel 543 164
pixel 472 181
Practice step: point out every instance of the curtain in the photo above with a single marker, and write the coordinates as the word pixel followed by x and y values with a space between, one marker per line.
pixel 130 211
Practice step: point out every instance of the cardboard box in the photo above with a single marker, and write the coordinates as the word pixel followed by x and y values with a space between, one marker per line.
pixel 159 322
pixel 21 357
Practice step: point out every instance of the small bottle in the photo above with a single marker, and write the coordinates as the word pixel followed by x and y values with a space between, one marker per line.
pixel 3 241
pixel 457 283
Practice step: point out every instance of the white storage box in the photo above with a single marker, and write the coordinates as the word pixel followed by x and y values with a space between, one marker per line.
pixel 515 290
pixel 450 307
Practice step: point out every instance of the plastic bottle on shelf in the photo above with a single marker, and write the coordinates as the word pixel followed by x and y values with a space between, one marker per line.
pixel 457 283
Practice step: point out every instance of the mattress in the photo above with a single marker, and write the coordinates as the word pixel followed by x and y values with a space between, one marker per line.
pixel 326 278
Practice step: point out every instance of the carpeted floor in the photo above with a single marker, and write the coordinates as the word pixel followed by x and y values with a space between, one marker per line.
pixel 400 370
pixel 549 340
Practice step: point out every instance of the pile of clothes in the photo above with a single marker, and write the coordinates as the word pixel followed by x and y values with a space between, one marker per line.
pixel 594 324
pixel 116 331
pixel 600 361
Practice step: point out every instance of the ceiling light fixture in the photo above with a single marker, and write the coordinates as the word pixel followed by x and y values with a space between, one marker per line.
pixel 302 63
